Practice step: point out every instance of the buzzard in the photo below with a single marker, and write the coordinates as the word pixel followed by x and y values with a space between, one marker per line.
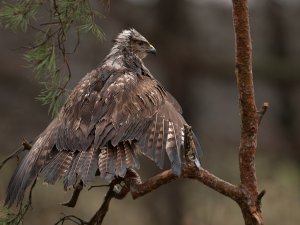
pixel 116 112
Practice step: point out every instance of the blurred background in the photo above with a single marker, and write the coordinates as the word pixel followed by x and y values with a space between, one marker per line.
pixel 195 62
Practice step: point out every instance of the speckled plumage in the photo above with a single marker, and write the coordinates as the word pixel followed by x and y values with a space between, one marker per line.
pixel 115 112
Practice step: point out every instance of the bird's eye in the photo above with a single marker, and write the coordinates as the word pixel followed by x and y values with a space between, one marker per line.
pixel 140 43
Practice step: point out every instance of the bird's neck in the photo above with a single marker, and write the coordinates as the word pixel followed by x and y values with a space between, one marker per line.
pixel 120 57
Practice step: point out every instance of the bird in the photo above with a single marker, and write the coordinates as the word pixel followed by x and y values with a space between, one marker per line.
pixel 115 113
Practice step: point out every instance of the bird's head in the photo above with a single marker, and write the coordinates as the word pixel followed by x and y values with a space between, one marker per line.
pixel 135 42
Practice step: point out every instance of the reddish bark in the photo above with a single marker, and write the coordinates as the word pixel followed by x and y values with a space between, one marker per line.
pixel 249 116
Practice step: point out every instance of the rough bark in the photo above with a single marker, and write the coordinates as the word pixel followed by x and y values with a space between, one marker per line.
pixel 248 112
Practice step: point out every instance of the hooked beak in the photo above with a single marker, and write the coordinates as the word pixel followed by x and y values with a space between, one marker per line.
pixel 152 50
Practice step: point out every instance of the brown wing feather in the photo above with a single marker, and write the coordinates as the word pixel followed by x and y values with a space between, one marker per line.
pixel 57 167
pixel 110 113
pixel 89 166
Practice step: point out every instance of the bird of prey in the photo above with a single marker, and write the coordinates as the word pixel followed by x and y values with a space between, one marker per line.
pixel 116 112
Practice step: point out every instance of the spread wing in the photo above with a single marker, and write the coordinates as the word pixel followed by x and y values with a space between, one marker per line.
pixel 109 118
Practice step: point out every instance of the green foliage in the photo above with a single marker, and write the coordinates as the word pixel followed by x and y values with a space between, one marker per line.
pixel 44 59
pixel 17 16
pixel 7 217
pixel 53 22
pixel 50 94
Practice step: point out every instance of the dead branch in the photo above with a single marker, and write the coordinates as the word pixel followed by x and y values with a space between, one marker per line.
pixel 100 214
pixel 111 193
pixel 23 208
pixel 25 146
pixel 262 111
pixel 72 202
pixel 71 218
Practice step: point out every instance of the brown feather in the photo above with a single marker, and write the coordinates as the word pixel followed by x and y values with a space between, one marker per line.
pixel 90 165
pixel 57 167
pixel 114 113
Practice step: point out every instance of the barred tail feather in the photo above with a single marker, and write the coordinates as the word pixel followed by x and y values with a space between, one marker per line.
pixel 90 165
pixel 106 162
pixel 121 160
pixel 72 175
pixel 130 156
pixel 173 149
pixel 57 167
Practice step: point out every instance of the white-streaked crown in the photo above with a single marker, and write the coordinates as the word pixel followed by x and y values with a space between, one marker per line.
pixel 129 34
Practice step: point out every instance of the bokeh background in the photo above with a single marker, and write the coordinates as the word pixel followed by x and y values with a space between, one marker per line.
pixel 195 62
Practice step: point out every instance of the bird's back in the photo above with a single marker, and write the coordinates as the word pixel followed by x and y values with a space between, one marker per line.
pixel 115 112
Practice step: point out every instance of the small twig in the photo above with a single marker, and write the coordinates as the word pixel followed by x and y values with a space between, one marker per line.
pixel 72 202
pixel 50 23
pixel 72 218
pixel 76 45
pixel 96 186
pixel 23 209
pixel 25 146
pixel 262 111
pixel 111 193
pixel 100 214
pixel 259 198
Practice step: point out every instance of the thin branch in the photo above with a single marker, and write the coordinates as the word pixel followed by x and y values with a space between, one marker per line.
pixel 25 146
pixel 23 209
pixel 97 186
pixel 100 214
pixel 50 23
pixel 72 202
pixel 97 219
pixel 259 198
pixel 72 218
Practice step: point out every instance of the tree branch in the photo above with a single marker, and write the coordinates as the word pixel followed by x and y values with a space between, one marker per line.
pixel 72 202
pixel 25 146
pixel 248 112
pixel 139 189
pixel 244 77
pixel 111 193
